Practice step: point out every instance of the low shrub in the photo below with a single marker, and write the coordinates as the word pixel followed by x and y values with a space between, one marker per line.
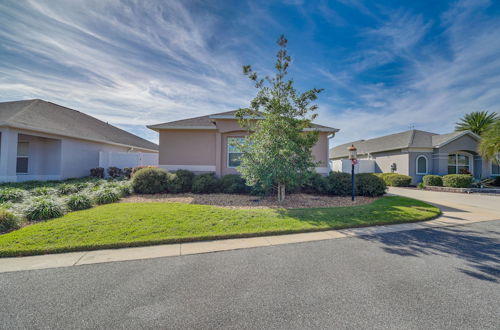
pixel 8 221
pixel 125 189
pixel 233 184
pixel 339 183
pixel 115 172
pixel 79 202
pixel 97 172
pixel 368 184
pixel 185 178
pixel 127 172
pixel 205 184
pixel 457 180
pixel 14 195
pixel 432 180
pixel 106 196
pixel 496 182
pixel 66 189
pixel 42 208
pixel 42 191
pixel 421 185
pixel 316 184
pixel 138 168
pixel 395 179
pixel 150 180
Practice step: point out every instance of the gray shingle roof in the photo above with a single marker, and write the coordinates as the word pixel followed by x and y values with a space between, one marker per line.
pixel 43 116
pixel 206 122
pixel 406 139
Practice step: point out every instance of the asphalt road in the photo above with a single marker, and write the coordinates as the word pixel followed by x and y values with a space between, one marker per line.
pixel 443 278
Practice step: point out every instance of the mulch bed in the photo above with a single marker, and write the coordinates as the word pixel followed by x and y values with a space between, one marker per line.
pixel 249 202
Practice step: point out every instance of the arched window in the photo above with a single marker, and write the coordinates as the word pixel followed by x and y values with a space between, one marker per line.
pixel 422 166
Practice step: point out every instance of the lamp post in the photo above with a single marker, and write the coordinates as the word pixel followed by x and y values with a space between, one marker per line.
pixel 353 156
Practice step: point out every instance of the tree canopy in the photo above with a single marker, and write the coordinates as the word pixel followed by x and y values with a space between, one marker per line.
pixel 489 147
pixel 277 152
pixel 476 122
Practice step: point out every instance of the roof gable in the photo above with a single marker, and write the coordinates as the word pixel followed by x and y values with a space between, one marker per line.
pixel 47 117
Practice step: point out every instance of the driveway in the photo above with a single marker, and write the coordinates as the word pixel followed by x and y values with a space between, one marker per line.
pixel 456 206
pixel 433 278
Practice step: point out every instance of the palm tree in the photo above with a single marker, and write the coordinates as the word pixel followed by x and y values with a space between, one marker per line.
pixel 476 122
pixel 489 147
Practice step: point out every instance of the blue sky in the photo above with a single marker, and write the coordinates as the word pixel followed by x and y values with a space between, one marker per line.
pixel 385 67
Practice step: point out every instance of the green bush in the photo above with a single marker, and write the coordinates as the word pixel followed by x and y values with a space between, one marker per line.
pixel 316 184
pixel 150 180
pixel 115 172
pixel 66 189
pixel 185 178
pixel 395 179
pixel 125 189
pixel 79 202
pixel 421 185
pixel 42 191
pixel 127 172
pixel 97 172
pixel 42 208
pixel 14 195
pixel 233 184
pixel 457 180
pixel 339 183
pixel 8 221
pixel 205 184
pixel 368 184
pixel 106 196
pixel 138 168
pixel 432 180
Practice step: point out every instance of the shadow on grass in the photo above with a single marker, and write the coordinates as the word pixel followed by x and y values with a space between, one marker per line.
pixel 481 252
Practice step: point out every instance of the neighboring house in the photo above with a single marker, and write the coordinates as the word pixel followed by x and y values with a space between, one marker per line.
pixel 204 144
pixel 417 153
pixel 40 140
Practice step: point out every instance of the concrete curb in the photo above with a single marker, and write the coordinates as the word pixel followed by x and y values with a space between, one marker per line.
pixel 171 250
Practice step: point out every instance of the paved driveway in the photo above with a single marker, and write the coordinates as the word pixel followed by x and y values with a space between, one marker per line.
pixel 434 278
pixel 457 206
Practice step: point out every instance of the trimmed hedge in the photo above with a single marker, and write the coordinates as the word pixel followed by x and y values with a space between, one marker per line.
pixel 185 179
pixel 206 183
pixel 395 179
pixel 97 172
pixel 150 180
pixel 368 184
pixel 457 180
pixel 433 180
pixel 339 183
pixel 316 184
pixel 233 184
pixel 115 172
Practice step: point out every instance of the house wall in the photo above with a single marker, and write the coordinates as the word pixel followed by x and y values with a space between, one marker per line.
pixel 412 165
pixel 193 150
pixel 206 150
pixel 383 161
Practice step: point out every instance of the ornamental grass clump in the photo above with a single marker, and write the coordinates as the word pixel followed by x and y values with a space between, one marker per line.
pixel 42 208
pixel 79 202
pixel 67 189
pixel 14 195
pixel 42 191
pixel 8 221
pixel 106 196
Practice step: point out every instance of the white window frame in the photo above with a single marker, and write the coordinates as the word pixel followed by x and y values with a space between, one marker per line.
pixel 471 161
pixel 229 152
pixel 426 165
pixel 27 157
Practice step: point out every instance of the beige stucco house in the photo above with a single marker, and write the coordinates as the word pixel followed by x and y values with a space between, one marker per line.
pixel 203 144
pixel 417 153
pixel 41 140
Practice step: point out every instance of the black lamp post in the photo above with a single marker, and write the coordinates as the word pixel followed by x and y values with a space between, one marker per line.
pixel 353 156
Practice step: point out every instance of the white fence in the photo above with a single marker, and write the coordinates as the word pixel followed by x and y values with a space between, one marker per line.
pixel 126 159
pixel 344 165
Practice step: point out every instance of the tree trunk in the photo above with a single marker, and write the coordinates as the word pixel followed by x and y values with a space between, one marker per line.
pixel 281 192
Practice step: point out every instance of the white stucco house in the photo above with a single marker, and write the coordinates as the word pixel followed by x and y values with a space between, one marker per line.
pixel 41 140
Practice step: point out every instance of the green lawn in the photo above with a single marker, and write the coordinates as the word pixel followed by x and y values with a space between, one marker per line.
pixel 135 224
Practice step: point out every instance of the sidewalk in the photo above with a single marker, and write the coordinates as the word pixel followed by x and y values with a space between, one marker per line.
pixel 451 217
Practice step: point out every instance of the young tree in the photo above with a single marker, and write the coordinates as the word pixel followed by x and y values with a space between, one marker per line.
pixel 489 147
pixel 476 122
pixel 277 153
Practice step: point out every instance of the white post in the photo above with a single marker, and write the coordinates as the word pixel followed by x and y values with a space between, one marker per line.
pixel 8 155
